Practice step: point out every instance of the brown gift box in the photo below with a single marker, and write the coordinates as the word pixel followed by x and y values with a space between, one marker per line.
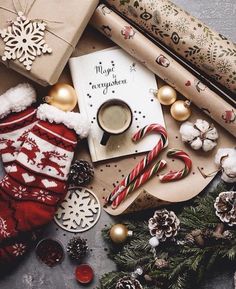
pixel 66 21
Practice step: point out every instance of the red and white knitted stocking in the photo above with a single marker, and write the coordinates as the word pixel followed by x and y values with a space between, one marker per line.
pixel 36 182
pixel 17 118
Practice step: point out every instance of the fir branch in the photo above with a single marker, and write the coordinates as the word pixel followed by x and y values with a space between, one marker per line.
pixel 187 263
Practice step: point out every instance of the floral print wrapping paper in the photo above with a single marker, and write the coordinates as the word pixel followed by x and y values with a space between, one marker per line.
pixel 206 49
pixel 160 63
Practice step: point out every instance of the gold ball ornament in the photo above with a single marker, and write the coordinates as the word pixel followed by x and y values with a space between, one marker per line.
pixel 62 96
pixel 119 233
pixel 180 110
pixel 166 95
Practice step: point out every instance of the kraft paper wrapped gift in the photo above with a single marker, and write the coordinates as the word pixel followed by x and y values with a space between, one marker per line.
pixel 65 20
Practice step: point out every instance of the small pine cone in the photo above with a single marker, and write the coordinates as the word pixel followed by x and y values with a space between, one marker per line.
pixel 147 278
pixel 161 263
pixel 189 238
pixel 225 205
pixel 77 248
pixel 81 173
pixel 164 224
pixel 128 283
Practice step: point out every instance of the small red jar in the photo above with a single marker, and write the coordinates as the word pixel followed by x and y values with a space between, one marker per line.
pixel 84 274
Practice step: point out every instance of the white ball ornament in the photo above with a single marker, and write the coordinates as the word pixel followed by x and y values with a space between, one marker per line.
pixel 154 242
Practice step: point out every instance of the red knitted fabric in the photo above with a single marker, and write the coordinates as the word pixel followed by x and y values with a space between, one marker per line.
pixel 36 181
pixel 13 130
pixel 16 120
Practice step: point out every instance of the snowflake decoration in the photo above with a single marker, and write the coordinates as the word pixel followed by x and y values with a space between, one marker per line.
pixel 5 182
pixel 79 211
pixel 18 249
pixel 42 196
pixel 19 192
pixel 3 228
pixel 24 40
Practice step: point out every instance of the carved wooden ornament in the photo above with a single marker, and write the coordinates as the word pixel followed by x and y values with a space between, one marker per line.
pixel 79 211
pixel 24 40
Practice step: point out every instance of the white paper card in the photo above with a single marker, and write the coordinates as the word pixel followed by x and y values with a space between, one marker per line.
pixel 113 73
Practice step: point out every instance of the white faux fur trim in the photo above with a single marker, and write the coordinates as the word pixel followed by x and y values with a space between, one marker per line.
pixel 72 120
pixel 17 99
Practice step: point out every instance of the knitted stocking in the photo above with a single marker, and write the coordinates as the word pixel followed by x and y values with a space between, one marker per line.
pixel 16 119
pixel 36 183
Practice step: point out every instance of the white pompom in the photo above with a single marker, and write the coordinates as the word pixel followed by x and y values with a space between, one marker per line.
pixel 154 242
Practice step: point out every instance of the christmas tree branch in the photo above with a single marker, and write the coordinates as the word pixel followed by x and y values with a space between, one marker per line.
pixel 201 242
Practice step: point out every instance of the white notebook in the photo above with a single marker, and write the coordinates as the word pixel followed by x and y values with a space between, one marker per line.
pixel 113 73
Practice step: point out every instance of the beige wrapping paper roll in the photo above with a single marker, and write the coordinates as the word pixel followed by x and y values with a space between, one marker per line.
pixel 136 44
pixel 206 49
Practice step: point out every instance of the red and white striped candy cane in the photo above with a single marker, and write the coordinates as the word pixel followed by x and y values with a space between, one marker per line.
pixel 139 182
pixel 145 161
pixel 177 175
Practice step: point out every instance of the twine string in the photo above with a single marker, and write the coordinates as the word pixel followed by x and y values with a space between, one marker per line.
pixel 26 11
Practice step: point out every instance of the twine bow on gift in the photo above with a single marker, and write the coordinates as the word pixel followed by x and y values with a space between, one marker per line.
pixel 24 37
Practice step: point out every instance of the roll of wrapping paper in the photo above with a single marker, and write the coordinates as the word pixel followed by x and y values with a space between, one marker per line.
pixel 160 63
pixel 206 49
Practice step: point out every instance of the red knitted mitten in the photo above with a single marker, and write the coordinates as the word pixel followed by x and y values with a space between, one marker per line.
pixel 36 183
pixel 17 117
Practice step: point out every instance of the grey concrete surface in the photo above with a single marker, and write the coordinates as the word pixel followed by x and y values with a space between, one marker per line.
pixel 219 14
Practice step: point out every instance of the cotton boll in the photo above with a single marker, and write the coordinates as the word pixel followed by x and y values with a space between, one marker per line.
pixel 223 152
pixel 226 159
pixel 196 144
pixel 202 125
pixel 208 145
pixel 212 134
pixel 199 135
pixel 188 132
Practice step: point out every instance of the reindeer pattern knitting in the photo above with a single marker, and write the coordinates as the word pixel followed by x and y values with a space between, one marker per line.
pixel 47 161
pixel 44 157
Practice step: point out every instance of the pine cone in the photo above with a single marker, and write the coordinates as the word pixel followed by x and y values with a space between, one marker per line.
pixel 77 248
pixel 225 205
pixel 161 263
pixel 81 172
pixel 128 283
pixel 164 224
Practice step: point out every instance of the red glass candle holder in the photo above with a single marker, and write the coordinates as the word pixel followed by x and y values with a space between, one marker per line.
pixel 84 274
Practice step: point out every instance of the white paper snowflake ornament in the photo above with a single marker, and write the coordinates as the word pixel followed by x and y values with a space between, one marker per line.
pixel 79 211
pixel 24 40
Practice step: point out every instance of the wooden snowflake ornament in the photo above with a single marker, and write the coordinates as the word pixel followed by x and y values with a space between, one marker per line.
pixel 79 211
pixel 24 40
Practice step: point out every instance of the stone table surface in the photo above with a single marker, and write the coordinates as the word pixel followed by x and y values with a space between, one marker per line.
pixel 219 14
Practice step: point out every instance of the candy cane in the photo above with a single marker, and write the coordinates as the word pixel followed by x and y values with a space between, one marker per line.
pixel 145 161
pixel 139 182
pixel 177 175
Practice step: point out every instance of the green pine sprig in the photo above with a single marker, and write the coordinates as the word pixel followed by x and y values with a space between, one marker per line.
pixel 187 262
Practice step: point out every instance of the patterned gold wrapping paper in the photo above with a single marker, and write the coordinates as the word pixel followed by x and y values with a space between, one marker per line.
pixel 155 59
pixel 206 49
